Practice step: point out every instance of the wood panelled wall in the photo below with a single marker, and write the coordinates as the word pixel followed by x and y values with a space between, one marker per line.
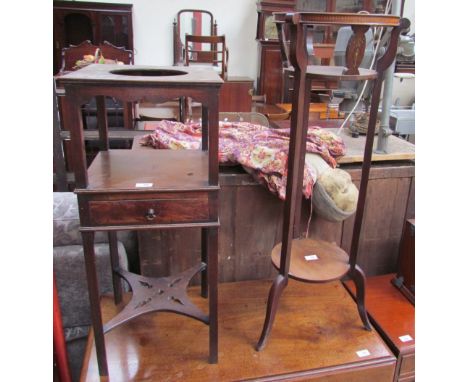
pixel 251 221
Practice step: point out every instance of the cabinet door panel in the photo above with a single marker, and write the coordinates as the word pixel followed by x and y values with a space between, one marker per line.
pixel 114 29
pixel 271 72
pixel 76 21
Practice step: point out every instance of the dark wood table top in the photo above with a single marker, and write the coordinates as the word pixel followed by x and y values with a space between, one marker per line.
pixel 135 170
pixel 317 332
pixel 391 311
pixel 337 73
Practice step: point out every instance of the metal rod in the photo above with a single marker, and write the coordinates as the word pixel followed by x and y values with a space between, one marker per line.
pixel 384 131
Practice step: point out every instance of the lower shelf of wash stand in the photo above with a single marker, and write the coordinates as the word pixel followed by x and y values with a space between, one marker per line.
pixel 312 261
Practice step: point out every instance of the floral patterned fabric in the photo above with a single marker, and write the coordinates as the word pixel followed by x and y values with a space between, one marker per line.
pixel 263 151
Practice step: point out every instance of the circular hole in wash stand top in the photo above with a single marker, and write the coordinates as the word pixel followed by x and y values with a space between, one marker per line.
pixel 148 72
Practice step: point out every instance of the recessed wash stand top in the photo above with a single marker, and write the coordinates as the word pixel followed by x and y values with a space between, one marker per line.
pixel 147 189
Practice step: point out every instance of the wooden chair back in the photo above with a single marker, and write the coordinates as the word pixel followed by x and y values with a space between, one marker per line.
pixel 118 53
pixel 216 54
pixel 73 53
pixel 180 29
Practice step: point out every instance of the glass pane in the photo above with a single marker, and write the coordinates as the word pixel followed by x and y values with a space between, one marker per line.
pixel 77 29
pixel 379 6
pixel 114 29
pixel 270 31
pixel 122 33
pixel 349 6
pixel 311 5
pixel 108 29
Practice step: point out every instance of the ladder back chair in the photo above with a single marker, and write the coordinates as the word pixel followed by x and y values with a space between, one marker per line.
pixel 216 54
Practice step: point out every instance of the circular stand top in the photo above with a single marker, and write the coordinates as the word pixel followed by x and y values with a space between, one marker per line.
pixel 314 260
pixel 336 73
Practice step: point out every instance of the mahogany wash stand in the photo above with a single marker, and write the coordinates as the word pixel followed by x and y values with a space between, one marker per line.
pixel 142 190
pixel 310 260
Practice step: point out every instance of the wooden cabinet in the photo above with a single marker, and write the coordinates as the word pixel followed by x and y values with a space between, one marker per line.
pixel 393 317
pixel 270 71
pixel 244 252
pixel 75 22
pixel 405 277
pixel 236 95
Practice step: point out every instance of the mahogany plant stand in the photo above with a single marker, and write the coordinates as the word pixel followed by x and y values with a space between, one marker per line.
pixel 311 260
pixel 147 190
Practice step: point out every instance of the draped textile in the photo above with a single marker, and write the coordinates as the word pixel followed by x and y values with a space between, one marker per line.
pixel 263 151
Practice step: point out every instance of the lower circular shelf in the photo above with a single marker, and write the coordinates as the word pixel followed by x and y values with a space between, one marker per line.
pixel 314 260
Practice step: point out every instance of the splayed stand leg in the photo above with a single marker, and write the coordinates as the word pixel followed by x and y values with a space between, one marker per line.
pixel 359 279
pixel 276 289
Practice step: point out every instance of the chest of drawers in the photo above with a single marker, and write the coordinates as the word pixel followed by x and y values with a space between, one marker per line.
pixel 393 316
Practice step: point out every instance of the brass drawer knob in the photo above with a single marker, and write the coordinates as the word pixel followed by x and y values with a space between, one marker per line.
pixel 150 215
